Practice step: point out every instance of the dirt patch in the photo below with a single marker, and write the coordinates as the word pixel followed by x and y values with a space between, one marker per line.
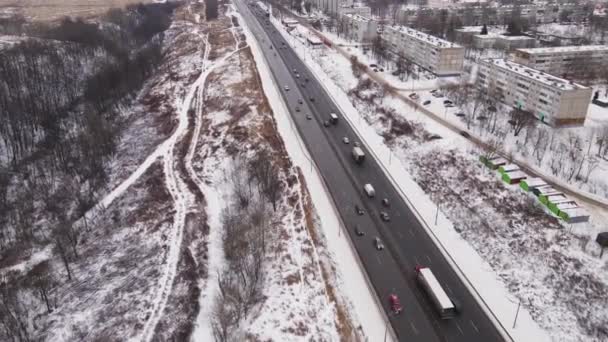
pixel 49 10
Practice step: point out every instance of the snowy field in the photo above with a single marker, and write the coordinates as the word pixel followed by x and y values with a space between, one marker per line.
pixel 535 256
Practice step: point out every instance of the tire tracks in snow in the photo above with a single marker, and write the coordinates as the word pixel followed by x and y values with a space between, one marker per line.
pixel 179 191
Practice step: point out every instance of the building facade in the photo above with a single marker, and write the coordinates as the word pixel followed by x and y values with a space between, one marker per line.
pixel 551 99
pixel 355 9
pixel 565 61
pixel 434 54
pixel 360 28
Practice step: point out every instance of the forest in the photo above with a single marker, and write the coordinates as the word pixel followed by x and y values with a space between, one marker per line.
pixel 61 91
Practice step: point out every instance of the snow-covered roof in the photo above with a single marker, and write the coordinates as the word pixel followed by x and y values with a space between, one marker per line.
pixel 533 74
pixel 503 37
pixel 358 17
pixel 535 182
pixel 509 168
pixel 427 38
pixel 564 49
pixel 517 174
pixel 575 212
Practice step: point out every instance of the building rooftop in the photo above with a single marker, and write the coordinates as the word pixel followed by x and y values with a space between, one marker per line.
pixel 487 36
pixel 539 76
pixel 561 49
pixel 515 37
pixel 436 41
pixel 358 17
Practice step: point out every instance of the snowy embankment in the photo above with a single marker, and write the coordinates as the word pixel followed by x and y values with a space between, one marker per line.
pixel 237 124
pixel 472 265
pixel 351 280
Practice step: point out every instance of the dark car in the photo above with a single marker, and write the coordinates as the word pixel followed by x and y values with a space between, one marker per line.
pixel 426 103
pixel 312 99
pixel 465 134
pixel 384 216
pixel 306 79
pixel 297 109
pixel 308 117
pixel 358 231
pixel 300 101
pixel 326 123
pixel 445 102
pixel 358 210
pixel 385 202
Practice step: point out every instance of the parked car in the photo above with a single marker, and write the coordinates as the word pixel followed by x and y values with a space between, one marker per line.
pixel 358 231
pixel 357 144
pixel 437 94
pixel 381 69
pixel 433 91
pixel 378 244
pixel 372 65
pixel 426 103
pixel 384 216
pixel 459 114
pixel 346 140
pixel 448 105
pixel 413 96
pixel 465 134
pixel 359 210
pixel 326 123
pixel 395 304
pixel 447 102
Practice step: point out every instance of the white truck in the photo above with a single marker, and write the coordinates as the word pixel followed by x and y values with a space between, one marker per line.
pixel 440 299
pixel 358 155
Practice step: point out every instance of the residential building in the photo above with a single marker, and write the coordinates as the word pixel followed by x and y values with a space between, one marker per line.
pixel 551 99
pixel 509 43
pixel 484 41
pixel 565 61
pixel 495 13
pixel 434 54
pixel 359 9
pixel 360 28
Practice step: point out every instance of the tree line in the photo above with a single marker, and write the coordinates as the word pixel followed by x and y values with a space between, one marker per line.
pixel 60 95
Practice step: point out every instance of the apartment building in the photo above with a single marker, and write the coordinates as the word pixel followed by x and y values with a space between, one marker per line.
pixel 496 14
pixel 551 99
pixel 434 54
pixel 565 61
pixel 360 28
pixel 359 9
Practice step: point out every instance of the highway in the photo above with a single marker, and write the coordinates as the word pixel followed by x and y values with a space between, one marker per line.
pixel 407 243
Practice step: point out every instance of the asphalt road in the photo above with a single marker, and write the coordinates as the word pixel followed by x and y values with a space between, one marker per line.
pixel 407 243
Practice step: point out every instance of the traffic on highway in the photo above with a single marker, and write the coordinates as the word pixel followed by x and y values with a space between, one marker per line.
pixel 422 296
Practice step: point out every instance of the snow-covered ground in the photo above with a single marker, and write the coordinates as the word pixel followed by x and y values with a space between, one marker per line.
pixel 512 238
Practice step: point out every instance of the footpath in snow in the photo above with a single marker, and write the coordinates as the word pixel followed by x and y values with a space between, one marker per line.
pixel 474 271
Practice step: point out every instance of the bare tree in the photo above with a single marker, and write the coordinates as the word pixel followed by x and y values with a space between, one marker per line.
pixel 42 280
pixel 520 119
pixel 14 315
pixel 61 247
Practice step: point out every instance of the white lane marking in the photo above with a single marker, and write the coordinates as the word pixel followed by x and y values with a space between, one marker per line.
pixel 414 328
pixel 378 258
pixel 459 328
pixel 416 260
pixel 474 327
pixel 411 232
pixel 427 258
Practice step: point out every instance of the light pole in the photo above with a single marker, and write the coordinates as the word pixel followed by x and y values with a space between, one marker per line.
pixel 516 312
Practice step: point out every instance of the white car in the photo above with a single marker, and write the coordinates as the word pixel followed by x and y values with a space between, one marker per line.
pixel 345 140
pixel 286 88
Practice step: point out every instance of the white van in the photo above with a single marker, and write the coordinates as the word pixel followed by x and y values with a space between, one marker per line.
pixel 369 190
